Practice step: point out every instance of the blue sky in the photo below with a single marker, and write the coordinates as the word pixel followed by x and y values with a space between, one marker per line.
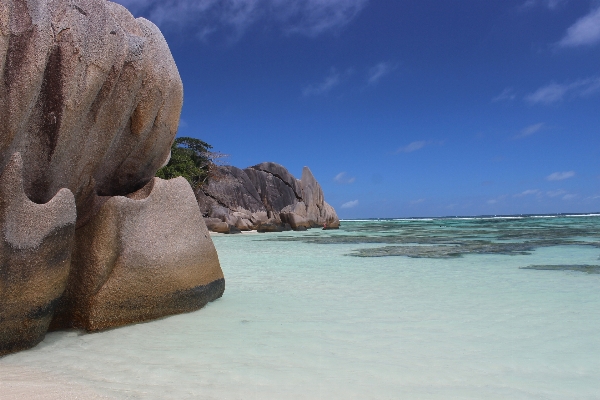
pixel 400 108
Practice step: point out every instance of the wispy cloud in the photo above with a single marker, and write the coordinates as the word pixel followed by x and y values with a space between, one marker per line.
pixel 331 81
pixel 413 146
pixel 497 200
pixel 560 176
pixel 551 4
pixel 376 73
pixel 418 201
pixel 555 193
pixel 555 92
pixel 350 204
pixel 305 17
pixel 417 145
pixel 507 94
pixel 529 192
pixel 530 130
pixel 550 194
pixel 584 32
pixel 548 94
pixel 343 179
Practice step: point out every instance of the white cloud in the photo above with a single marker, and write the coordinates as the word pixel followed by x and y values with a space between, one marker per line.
pixel 305 17
pixel 507 94
pixel 530 130
pixel 350 204
pixel 555 193
pixel 584 32
pixel 418 201
pixel 560 176
pixel 527 193
pixel 342 178
pixel 569 196
pixel 556 92
pixel 417 145
pixel 376 73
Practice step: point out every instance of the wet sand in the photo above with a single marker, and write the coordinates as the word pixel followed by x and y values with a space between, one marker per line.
pixel 33 384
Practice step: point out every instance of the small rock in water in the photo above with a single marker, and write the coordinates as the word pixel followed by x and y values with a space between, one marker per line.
pixel 590 269
pixel 233 229
pixel 269 227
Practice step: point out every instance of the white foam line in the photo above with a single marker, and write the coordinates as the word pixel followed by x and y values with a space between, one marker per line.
pixel 471 218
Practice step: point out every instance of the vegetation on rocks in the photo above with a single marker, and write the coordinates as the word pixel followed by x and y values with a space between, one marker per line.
pixel 192 159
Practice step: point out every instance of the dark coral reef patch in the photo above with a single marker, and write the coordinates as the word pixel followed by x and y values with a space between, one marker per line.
pixel 450 238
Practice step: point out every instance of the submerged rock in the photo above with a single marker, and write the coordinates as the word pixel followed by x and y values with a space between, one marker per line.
pixel 448 238
pixel 590 269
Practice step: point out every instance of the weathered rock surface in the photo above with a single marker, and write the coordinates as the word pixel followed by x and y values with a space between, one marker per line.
pixel 265 197
pixel 273 192
pixel 234 191
pixel 269 227
pixel 35 253
pixel 141 257
pixel 89 105
pixel 216 225
pixel 91 98
pixel 295 220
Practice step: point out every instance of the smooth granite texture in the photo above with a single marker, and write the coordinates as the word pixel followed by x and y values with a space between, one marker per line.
pixel 89 105
pixel 141 257
pixel 91 98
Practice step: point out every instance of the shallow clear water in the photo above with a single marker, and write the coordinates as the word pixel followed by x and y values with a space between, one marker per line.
pixel 304 317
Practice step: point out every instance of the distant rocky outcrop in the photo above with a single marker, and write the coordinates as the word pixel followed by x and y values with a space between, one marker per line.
pixel 265 197
pixel 89 105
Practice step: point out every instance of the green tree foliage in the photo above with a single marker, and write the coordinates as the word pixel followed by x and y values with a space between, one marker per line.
pixel 190 158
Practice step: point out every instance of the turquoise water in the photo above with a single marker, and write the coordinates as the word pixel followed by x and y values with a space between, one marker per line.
pixel 415 309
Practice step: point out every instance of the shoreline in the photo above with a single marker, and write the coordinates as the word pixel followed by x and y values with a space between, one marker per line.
pixel 227 234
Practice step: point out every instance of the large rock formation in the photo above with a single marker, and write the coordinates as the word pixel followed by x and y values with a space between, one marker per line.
pixel 265 197
pixel 35 252
pixel 89 105
pixel 91 98
pixel 141 257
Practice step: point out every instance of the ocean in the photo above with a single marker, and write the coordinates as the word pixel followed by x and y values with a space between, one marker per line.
pixel 450 308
